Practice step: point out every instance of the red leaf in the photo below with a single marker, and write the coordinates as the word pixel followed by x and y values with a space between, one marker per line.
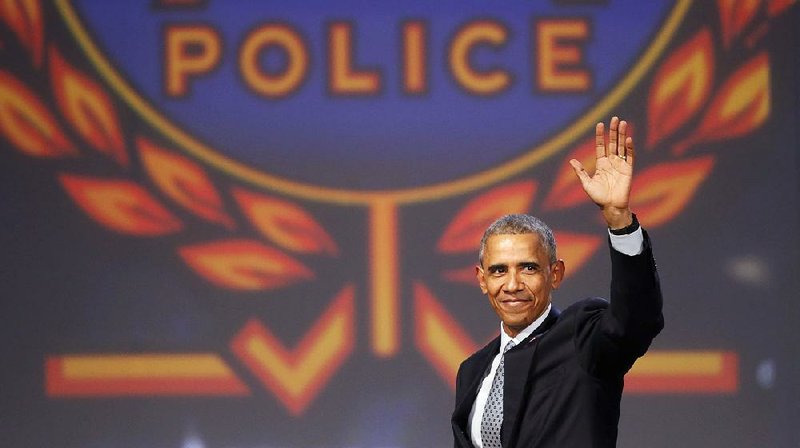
pixel 244 265
pixel 575 249
pixel 27 123
pixel 741 105
pixel 465 230
pixel 88 108
pixel 680 87
pixel 662 191
pixel 120 205
pixel 776 7
pixel 286 224
pixel 567 190
pixel 735 15
pixel 24 17
pixel 183 181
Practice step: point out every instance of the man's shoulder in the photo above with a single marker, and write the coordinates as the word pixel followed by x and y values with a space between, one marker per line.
pixel 589 304
pixel 581 310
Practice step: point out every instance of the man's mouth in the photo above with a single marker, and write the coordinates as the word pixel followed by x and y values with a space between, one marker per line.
pixel 516 299
pixel 514 302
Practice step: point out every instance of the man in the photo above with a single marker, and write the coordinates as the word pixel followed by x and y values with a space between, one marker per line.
pixel 560 380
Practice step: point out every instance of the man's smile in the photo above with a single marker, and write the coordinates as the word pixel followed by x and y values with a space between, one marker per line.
pixel 515 303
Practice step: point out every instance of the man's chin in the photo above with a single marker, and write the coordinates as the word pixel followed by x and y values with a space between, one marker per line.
pixel 515 325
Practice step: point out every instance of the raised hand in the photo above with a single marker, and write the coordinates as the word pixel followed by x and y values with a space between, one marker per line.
pixel 610 185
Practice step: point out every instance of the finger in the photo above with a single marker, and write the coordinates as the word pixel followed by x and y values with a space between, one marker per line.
pixel 629 152
pixel 583 176
pixel 623 133
pixel 612 136
pixel 599 140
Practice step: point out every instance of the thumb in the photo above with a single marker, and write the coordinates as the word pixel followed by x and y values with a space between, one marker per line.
pixel 580 171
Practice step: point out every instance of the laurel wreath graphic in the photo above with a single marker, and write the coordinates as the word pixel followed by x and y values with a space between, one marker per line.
pixel 149 189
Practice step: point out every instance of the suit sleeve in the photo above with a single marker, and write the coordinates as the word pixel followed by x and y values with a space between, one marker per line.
pixel 610 337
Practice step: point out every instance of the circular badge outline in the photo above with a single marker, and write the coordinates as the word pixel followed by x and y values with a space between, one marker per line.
pixel 432 192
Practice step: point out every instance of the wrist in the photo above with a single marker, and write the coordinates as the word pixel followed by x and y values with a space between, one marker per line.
pixel 618 219
pixel 630 228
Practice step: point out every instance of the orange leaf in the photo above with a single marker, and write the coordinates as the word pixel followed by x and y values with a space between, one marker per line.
pixel 465 230
pixel 575 249
pixel 120 205
pixel 286 224
pixel 27 123
pixel 741 105
pixel 567 189
pixel 735 15
pixel 24 17
pixel 662 191
pixel 88 108
pixel 183 181
pixel 680 87
pixel 244 265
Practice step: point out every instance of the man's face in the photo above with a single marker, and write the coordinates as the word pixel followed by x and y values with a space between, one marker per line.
pixel 517 276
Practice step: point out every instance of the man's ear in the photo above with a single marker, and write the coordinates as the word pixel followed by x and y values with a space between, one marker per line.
pixel 481 280
pixel 557 273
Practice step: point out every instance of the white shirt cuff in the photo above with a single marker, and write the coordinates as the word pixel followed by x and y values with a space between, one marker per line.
pixel 630 244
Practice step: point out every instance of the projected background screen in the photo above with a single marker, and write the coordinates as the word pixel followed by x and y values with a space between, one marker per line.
pixel 255 223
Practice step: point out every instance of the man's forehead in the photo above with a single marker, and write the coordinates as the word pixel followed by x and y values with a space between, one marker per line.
pixel 528 236
pixel 501 243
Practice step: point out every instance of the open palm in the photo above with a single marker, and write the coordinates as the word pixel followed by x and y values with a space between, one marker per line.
pixel 610 185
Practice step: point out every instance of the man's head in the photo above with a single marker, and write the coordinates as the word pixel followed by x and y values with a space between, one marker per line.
pixel 518 269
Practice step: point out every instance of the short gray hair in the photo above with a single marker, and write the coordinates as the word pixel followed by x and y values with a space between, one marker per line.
pixel 519 225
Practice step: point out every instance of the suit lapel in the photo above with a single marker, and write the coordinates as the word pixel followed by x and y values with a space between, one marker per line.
pixel 473 378
pixel 518 363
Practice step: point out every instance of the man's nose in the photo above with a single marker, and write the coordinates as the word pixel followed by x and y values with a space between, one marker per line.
pixel 514 282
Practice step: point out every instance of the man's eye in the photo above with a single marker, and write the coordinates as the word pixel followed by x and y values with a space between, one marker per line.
pixel 497 271
pixel 529 267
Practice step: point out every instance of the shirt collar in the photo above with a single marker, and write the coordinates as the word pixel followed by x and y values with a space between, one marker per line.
pixel 504 338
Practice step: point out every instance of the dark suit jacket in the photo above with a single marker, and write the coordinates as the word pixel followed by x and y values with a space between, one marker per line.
pixel 563 384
